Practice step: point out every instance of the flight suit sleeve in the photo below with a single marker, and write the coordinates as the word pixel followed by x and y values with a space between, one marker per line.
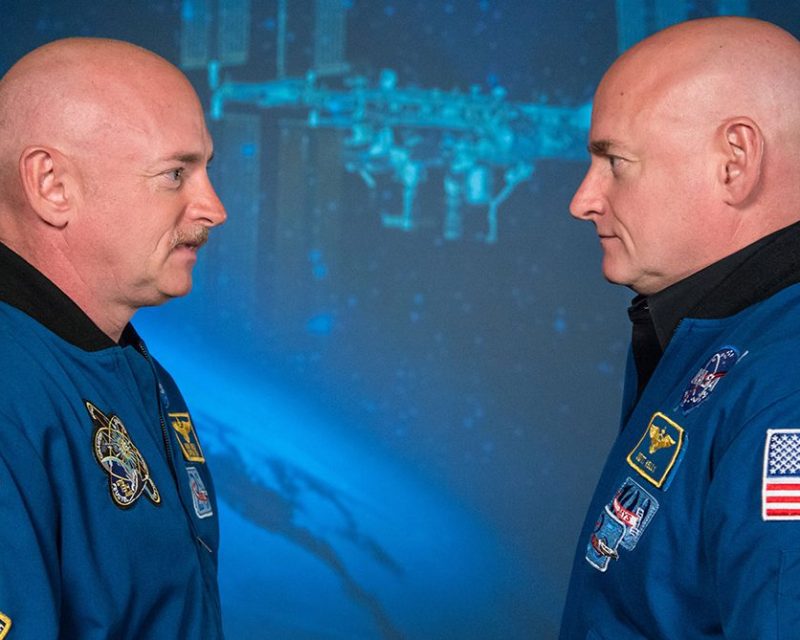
pixel 29 549
pixel 751 525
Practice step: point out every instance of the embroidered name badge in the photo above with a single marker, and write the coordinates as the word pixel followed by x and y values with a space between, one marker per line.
pixel 5 625
pixel 707 378
pixel 202 503
pixel 128 474
pixel 187 438
pixel 632 507
pixel 659 451
pixel 780 486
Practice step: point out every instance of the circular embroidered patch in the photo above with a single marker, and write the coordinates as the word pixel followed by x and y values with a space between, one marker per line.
pixel 128 474
pixel 707 378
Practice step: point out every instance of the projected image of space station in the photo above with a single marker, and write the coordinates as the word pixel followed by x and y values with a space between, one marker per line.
pixel 402 360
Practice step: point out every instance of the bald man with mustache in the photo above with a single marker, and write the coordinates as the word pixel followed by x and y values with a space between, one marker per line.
pixel 694 192
pixel 108 518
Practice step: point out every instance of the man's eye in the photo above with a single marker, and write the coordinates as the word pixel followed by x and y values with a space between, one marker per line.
pixel 175 175
pixel 614 161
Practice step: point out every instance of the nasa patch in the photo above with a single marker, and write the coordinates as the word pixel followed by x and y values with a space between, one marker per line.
pixel 621 524
pixel 128 473
pixel 707 378
pixel 200 499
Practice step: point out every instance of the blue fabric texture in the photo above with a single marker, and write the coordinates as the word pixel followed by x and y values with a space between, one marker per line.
pixel 680 540
pixel 108 520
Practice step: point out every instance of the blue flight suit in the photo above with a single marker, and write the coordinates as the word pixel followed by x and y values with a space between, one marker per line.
pixel 693 530
pixel 108 519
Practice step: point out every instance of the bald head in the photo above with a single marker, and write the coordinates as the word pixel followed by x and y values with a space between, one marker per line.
pixel 103 181
pixel 717 68
pixel 71 93
pixel 695 140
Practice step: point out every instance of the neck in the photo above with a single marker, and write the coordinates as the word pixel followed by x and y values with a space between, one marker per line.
pixel 53 263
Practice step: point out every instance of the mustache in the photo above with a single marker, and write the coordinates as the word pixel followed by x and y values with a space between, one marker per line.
pixel 192 236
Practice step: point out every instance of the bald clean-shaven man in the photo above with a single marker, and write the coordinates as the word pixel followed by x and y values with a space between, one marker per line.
pixel 694 191
pixel 108 519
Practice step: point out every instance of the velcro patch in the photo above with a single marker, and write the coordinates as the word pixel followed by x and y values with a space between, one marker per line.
pixel 128 473
pixel 780 486
pixel 708 377
pixel 187 437
pixel 200 498
pixel 604 540
pixel 621 524
pixel 659 451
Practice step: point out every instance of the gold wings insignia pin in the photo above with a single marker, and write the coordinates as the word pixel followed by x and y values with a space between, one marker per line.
pixel 659 439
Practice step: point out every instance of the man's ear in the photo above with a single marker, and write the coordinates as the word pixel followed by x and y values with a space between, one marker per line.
pixel 46 184
pixel 743 148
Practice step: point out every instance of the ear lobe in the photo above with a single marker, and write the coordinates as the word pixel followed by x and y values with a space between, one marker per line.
pixel 744 155
pixel 44 183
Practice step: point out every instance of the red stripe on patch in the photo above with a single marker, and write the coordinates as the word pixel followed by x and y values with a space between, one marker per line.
pixel 771 486
pixel 783 512
pixel 783 499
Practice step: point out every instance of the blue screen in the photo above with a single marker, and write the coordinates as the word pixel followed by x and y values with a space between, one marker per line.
pixel 403 361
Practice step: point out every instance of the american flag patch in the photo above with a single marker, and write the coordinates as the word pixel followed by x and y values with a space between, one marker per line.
pixel 780 491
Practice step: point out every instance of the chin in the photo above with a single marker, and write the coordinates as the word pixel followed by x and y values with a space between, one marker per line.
pixel 619 269
pixel 175 289
pixel 614 274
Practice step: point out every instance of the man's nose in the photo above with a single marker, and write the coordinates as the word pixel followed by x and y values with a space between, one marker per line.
pixel 206 207
pixel 588 202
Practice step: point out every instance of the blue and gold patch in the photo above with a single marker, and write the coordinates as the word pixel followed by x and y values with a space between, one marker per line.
pixel 190 445
pixel 128 473
pixel 659 451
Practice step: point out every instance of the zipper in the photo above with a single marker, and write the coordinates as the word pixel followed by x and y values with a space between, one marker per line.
pixel 212 593
pixel 168 444
pixel 164 432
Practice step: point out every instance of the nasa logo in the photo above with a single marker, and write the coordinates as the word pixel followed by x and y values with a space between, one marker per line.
pixel 707 378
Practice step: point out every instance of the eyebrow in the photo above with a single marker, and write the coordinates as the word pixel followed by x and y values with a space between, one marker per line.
pixel 189 158
pixel 600 147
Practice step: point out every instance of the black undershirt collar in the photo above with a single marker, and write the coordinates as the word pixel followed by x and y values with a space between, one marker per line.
pixel 22 286
pixel 722 289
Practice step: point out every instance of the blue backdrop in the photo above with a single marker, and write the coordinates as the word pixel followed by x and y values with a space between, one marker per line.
pixel 401 356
